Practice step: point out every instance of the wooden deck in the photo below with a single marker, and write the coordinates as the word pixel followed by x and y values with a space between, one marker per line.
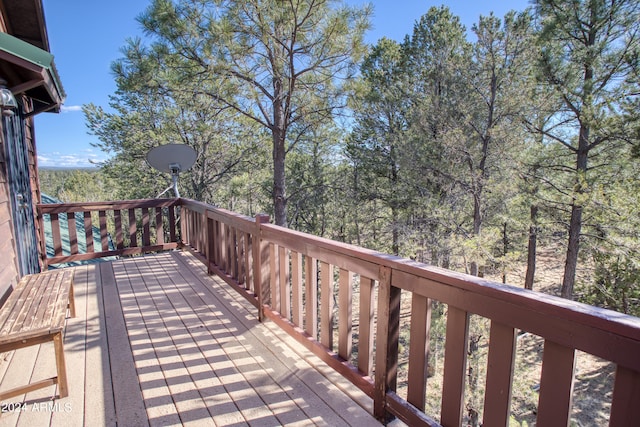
pixel 158 342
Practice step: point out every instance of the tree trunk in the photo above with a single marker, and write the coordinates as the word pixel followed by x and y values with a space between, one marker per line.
pixel 278 132
pixel 356 216
pixel 395 243
pixel 573 247
pixel 531 250
pixel 477 224
pixel 575 224
pixel 505 251
pixel 582 154
pixel 279 187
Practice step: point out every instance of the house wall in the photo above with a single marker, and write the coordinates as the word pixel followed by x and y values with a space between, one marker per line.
pixel 23 19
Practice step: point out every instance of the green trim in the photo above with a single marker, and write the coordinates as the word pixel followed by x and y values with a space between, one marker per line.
pixel 33 54
pixel 25 50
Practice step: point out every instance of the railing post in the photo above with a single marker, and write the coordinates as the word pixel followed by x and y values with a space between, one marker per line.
pixel 260 250
pixel 387 336
pixel 42 244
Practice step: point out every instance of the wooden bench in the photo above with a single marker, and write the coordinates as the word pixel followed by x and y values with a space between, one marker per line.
pixel 35 313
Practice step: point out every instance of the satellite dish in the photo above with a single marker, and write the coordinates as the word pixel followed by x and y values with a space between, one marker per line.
pixel 173 159
pixel 166 158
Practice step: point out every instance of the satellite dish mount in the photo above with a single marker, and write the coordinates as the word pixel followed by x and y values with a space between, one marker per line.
pixel 172 159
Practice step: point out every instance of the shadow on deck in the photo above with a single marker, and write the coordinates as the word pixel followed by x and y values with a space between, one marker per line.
pixel 157 341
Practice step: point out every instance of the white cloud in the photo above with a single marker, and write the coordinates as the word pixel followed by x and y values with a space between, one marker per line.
pixel 66 109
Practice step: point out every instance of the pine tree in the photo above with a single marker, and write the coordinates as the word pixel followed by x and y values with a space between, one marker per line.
pixel 585 49
pixel 281 65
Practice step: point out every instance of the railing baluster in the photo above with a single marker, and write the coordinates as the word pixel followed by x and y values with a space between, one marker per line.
pixel 311 296
pixel 215 230
pixel 626 395
pixel 365 330
pixel 159 227
pixel 202 232
pixel 73 235
pixel 223 247
pixel 241 266
pixel 556 385
pixel 199 232
pixel 211 245
pixel 193 229
pixel 345 318
pixel 172 223
pixel 418 350
pixel 104 236
pixel 192 238
pixel 146 231
pixel 133 228
pixel 185 214
pixel 285 285
pixel 55 232
pixel 117 220
pixel 455 366
pixel 296 284
pixel 233 246
pixel 500 365
pixel 260 265
pixel 220 245
pixel 196 231
pixel 228 232
pixel 88 232
pixel 326 305
pixel 248 262
pixel 274 278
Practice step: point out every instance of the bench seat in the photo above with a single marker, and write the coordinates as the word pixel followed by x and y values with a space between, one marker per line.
pixel 35 313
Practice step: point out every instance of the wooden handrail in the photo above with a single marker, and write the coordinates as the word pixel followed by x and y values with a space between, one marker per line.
pixel 106 206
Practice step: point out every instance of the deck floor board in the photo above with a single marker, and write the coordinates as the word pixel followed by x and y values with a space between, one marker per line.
pixel 156 341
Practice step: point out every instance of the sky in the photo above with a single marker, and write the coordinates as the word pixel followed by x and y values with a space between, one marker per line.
pixel 86 36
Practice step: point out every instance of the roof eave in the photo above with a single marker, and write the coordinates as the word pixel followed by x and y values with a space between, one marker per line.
pixel 39 77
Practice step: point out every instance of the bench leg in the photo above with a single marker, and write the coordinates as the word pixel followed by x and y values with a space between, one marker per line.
pixel 61 367
pixel 72 301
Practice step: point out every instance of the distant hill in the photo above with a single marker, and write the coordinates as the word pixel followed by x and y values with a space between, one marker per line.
pixel 68 168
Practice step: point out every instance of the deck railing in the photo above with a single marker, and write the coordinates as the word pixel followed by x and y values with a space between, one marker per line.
pixel 325 293
pixel 104 229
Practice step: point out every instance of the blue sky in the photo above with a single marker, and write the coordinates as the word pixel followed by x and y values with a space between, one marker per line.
pixel 86 36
